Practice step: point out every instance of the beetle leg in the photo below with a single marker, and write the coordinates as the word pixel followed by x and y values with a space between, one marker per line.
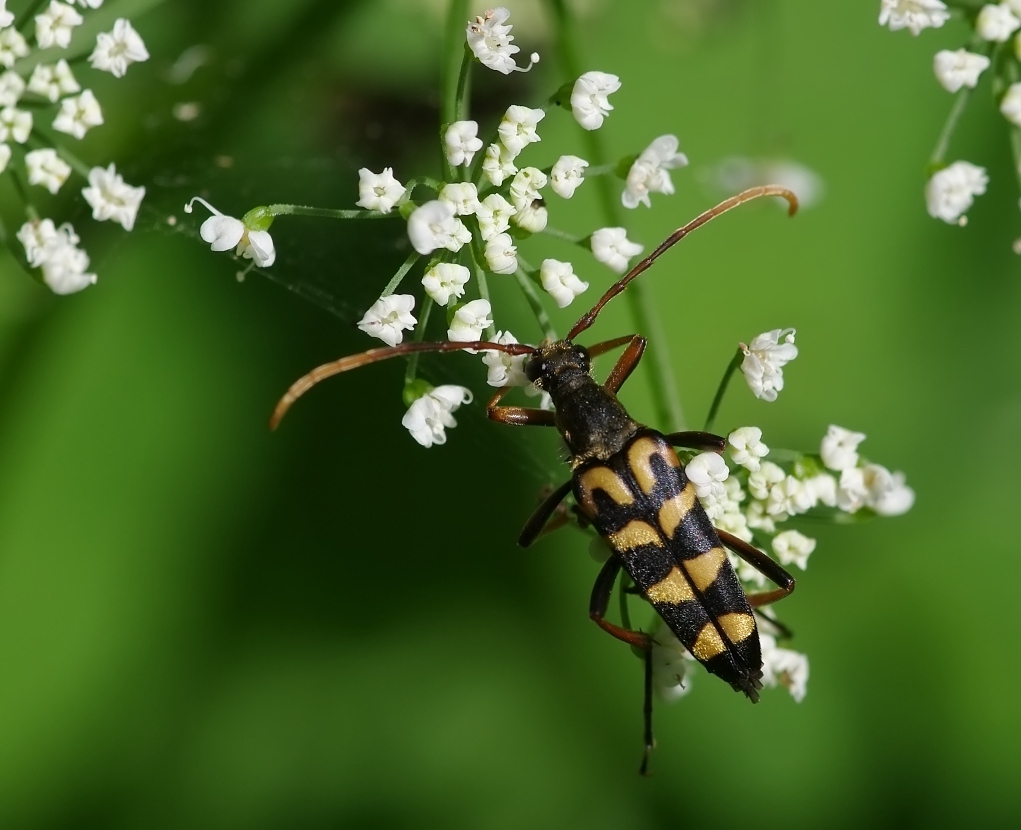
pixel 597 611
pixel 702 441
pixel 521 416
pixel 600 601
pixel 540 519
pixel 626 363
pixel 765 566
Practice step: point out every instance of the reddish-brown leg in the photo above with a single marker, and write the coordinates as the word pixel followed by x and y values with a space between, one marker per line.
pixel 520 416
pixel 597 611
pixel 765 566
pixel 626 363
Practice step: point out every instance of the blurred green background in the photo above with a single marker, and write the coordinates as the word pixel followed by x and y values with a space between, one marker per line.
pixel 203 624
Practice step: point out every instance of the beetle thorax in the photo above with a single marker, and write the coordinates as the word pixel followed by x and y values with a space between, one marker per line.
pixel 590 418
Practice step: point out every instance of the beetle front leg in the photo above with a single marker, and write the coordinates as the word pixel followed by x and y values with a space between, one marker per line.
pixel 626 363
pixel 520 416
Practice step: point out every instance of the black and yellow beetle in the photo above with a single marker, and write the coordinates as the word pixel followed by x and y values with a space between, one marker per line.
pixel 629 484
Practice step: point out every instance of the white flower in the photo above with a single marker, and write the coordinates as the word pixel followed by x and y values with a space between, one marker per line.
pixel 823 488
pixel 505 369
pixel 428 417
pixel 566 175
pixel 111 198
pixel 498 164
pixel 611 247
pixel 52 81
pixel 78 114
pixel 957 69
pixel 852 491
pixel 793 547
pixel 12 46
pixel 886 492
pixel 12 85
pixel 115 51
pixel 464 196
pixel 671 665
pixel 707 471
pixel 763 479
pixel 517 129
pixel 531 217
pixel 444 281
pixel 461 142
pixel 784 667
pixel 46 168
pixel 56 251
pixel 489 38
pixel 6 17
pixel 501 254
pixel 996 23
pixel 1010 106
pixel 560 282
pixel 494 214
pixel 524 188
pixel 92 4
pixel 839 448
pixel 764 359
pixel 913 15
pixel 469 321
pixel 5 156
pixel 589 98
pixel 789 498
pixel 389 317
pixel 649 172
pixel 378 191
pixel 16 124
pixel 759 519
pixel 53 27
pixel 225 232
pixel 951 191
pixel 36 238
pixel 434 225
pixel 746 447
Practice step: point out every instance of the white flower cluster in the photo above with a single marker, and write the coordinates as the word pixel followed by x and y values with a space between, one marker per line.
pixel 952 188
pixel 52 91
pixel 750 498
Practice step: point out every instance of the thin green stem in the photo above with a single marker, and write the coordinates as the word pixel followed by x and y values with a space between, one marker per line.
pixel 28 14
pixel 943 142
pixel 401 272
pixel 565 237
pixel 22 191
pixel 532 297
pixel 412 370
pixel 665 395
pixel 454 85
pixel 328 213
pixel 44 138
pixel 721 390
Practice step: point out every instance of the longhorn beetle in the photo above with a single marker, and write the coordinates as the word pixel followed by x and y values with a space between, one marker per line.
pixel 629 484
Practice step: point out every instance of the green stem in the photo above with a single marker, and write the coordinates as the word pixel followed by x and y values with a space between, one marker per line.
pixel 565 237
pixel 665 396
pixel 22 191
pixel 532 296
pixel 328 213
pixel 412 370
pixel 396 280
pixel 29 13
pixel 939 153
pixel 724 382
pixel 455 69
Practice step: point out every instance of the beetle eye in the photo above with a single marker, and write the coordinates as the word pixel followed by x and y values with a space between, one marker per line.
pixel 533 369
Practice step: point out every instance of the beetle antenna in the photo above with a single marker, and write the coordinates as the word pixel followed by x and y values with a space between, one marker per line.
pixel 679 234
pixel 346 364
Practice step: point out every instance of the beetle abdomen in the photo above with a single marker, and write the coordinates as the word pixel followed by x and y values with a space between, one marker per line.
pixel 641 502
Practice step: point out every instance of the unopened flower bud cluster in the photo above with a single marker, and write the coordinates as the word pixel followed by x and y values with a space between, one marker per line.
pixel 952 187
pixel 43 107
